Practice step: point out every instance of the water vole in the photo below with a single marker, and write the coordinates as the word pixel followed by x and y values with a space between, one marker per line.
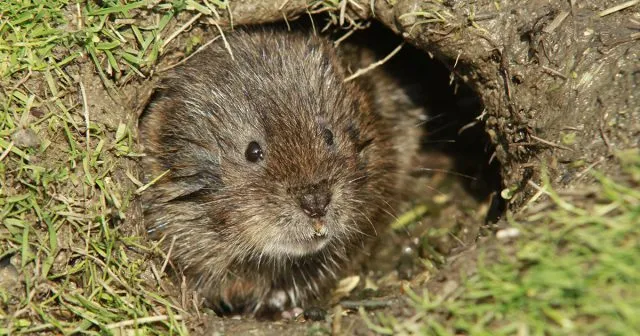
pixel 277 170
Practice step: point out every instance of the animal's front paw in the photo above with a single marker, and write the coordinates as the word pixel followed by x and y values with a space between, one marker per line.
pixel 275 306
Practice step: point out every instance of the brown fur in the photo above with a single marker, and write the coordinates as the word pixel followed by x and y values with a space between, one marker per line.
pixel 240 237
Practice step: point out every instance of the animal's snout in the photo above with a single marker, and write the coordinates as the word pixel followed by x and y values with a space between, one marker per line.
pixel 314 199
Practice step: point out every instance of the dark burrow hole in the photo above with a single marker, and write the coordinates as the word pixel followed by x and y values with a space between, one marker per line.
pixel 452 128
pixel 461 182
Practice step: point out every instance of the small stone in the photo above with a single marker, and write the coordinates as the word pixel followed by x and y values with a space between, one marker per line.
pixel 315 314
pixel 36 112
pixel 9 277
pixel 508 233
pixel 25 138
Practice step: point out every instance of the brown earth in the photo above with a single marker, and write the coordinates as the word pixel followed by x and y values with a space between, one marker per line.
pixel 555 83
pixel 558 85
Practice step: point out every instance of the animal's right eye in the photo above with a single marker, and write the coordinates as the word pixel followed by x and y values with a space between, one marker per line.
pixel 327 135
pixel 254 152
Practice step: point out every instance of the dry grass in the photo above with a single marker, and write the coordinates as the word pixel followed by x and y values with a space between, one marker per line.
pixel 571 270
pixel 67 183
pixel 75 266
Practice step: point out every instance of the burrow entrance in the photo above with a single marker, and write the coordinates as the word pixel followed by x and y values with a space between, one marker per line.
pixel 458 178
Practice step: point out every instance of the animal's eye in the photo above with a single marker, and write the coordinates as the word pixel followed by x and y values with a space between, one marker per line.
pixel 327 135
pixel 254 152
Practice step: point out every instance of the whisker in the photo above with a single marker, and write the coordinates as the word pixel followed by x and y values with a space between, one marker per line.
pixel 367 218
pixel 439 141
pixel 431 118
pixel 357 230
pixel 450 172
pixel 436 190
pixel 357 179
pixel 442 128
pixel 390 207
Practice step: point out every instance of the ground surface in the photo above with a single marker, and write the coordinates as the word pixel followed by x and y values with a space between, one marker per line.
pixel 562 261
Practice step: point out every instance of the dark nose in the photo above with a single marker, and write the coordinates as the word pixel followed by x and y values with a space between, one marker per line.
pixel 314 199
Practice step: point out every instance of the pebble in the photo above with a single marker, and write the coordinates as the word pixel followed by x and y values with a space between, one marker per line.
pixel 25 138
pixel 9 277
pixel 315 314
pixel 508 233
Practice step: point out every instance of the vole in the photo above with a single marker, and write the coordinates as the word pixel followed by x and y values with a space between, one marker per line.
pixel 278 170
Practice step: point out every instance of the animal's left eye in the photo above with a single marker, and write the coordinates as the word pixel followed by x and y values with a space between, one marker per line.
pixel 254 152
pixel 327 135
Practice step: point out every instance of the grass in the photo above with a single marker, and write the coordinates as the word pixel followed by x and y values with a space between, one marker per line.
pixel 68 180
pixel 67 170
pixel 64 190
pixel 572 270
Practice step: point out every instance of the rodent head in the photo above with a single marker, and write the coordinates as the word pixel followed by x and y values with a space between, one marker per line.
pixel 270 152
pixel 295 180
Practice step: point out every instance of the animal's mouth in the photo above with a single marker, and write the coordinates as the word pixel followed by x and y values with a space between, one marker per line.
pixel 318 236
pixel 306 237
pixel 314 239
pixel 319 228
pixel 301 248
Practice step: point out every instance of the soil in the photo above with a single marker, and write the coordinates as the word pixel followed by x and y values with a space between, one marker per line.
pixel 553 84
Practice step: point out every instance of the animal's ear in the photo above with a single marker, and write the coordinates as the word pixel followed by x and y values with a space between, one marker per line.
pixel 142 95
pixel 151 113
